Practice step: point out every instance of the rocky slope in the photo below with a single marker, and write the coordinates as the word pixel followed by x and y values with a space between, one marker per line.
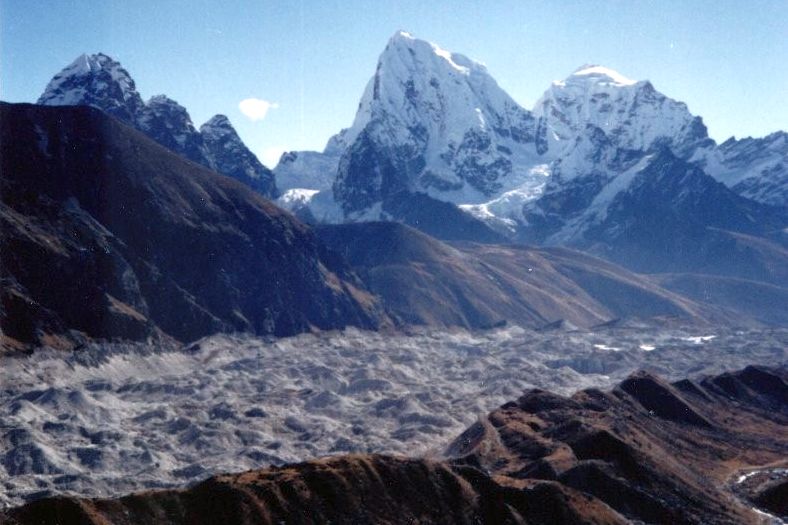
pixel 101 82
pixel 107 233
pixel 758 300
pixel 654 451
pixel 426 282
pixel 647 451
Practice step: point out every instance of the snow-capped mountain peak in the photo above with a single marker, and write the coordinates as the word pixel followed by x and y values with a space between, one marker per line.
pixel 402 40
pixel 600 75
pixel 415 79
pixel 632 114
pixel 443 126
pixel 230 156
pixel 218 125
pixel 95 80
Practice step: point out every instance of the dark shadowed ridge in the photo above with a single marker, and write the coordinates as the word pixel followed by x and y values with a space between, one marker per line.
pixel 106 234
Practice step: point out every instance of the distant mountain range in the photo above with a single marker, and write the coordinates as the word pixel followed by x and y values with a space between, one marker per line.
pixel 602 164
pixel 107 234
pixel 447 129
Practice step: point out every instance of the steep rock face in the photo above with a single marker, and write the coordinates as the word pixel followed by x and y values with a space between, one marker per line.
pixel 108 233
pixel 101 82
pixel 647 452
pixel 169 124
pixel 230 156
pixel 435 122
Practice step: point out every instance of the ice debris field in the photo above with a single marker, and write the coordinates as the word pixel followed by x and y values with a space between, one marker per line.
pixel 115 418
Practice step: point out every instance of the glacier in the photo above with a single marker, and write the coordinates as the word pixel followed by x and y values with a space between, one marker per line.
pixel 114 418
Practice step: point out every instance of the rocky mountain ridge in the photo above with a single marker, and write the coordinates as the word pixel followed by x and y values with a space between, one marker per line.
pixel 101 82
pixel 107 234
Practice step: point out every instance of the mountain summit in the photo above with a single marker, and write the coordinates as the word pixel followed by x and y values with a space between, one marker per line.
pixel 436 122
pixel 231 156
pixel 101 82
pixel 633 114
pixel 98 81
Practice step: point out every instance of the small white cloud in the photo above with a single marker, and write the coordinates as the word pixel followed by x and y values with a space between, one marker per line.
pixel 256 109
pixel 270 156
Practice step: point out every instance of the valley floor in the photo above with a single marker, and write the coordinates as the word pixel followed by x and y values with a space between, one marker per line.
pixel 113 418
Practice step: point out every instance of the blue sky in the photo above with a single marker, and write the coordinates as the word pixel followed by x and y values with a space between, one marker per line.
pixel 728 60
